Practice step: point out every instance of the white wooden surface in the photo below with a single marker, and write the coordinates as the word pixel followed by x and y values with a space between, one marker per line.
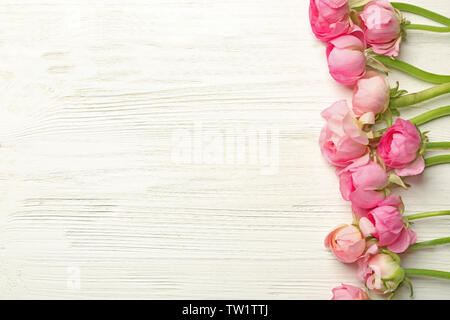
pixel 93 204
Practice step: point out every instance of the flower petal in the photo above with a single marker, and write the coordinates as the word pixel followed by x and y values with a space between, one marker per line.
pixel 413 168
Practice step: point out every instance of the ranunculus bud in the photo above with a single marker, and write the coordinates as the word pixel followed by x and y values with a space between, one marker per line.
pixel 329 18
pixel 341 141
pixel 382 29
pixel 399 148
pixel 381 273
pixel 385 223
pixel 349 292
pixel 346 58
pixel 346 242
pixel 363 185
pixel 371 96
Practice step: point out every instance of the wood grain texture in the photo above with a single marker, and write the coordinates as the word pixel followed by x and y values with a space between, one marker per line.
pixel 93 204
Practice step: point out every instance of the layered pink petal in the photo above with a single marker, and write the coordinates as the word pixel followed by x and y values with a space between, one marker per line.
pixel 371 94
pixel 353 131
pixel 399 146
pixel 346 185
pixel 366 226
pixel 366 199
pixel 388 223
pixel 341 141
pixel 382 27
pixel 346 59
pixel 346 242
pixel 370 176
pixel 348 292
pixel 413 168
pixel 346 66
pixel 407 237
pixel 329 18
pixel 392 200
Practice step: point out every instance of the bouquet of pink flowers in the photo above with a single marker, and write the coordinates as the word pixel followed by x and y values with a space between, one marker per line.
pixel 371 146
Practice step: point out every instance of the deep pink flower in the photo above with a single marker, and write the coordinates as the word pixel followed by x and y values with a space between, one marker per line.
pixel 382 29
pixel 363 185
pixel 370 96
pixel 346 59
pixel 385 223
pixel 346 242
pixel 399 148
pixel 381 272
pixel 341 141
pixel 349 292
pixel 329 18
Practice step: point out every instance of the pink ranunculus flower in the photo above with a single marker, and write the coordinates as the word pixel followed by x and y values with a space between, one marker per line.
pixel 382 28
pixel 371 97
pixel 363 185
pixel 346 242
pixel 385 222
pixel 349 292
pixel 346 58
pixel 381 272
pixel 399 148
pixel 329 18
pixel 341 141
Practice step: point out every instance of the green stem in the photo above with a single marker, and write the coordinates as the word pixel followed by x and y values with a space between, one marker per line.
pixel 441 159
pixel 430 243
pixel 438 145
pixel 431 115
pixel 421 12
pixel 425 27
pixel 427 273
pixel 428 215
pixel 413 98
pixel 411 70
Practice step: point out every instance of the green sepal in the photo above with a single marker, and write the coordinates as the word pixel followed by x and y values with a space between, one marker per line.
pixel 374 63
pixel 394 256
pixel 395 92
pixel 397 180
pixel 395 111
pixel 411 289
pixel 424 139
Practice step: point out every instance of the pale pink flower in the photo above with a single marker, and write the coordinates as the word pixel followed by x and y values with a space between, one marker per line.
pixel 382 29
pixel 370 97
pixel 341 141
pixel 329 18
pixel 346 58
pixel 381 272
pixel 349 292
pixel 346 242
pixel 399 148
